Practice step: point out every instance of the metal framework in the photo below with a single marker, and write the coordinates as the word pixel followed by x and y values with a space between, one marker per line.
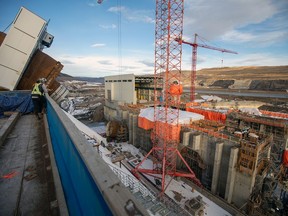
pixel 166 131
pixel 194 60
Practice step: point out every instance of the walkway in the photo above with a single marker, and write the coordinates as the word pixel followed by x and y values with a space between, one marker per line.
pixel 26 183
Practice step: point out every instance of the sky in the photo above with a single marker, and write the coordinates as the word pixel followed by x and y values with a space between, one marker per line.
pixel 117 36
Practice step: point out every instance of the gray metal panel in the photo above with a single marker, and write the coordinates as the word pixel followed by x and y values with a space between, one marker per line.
pixel 18 46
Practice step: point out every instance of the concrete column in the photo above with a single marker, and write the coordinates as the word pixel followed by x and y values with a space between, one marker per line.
pixel 241 125
pixel 216 168
pixel 186 138
pixel 204 151
pixel 135 126
pixel 231 174
pixel 262 128
pixel 120 115
pixel 196 141
pixel 286 137
pixel 125 115
pixel 130 127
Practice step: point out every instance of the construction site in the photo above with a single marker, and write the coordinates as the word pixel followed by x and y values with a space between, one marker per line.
pixel 166 145
pixel 236 153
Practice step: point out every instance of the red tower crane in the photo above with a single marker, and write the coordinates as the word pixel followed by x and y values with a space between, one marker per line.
pixel 194 60
pixel 166 132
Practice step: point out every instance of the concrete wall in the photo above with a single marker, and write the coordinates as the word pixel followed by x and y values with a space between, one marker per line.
pixel 144 139
pixel 217 167
pixel 207 153
pixel 231 174
pixel 242 189
pixel 110 113
pixel 217 161
pixel 225 158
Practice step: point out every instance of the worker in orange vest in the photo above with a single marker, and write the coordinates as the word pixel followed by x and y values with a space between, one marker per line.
pixel 176 89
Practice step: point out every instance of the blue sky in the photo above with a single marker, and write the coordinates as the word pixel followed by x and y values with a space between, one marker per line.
pixel 96 40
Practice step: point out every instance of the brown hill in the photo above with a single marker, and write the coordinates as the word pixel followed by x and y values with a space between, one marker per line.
pixel 267 78
pixel 246 72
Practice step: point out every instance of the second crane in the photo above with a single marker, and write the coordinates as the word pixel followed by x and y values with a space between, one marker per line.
pixel 194 60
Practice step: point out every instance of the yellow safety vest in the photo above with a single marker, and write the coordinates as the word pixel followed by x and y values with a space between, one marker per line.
pixel 36 90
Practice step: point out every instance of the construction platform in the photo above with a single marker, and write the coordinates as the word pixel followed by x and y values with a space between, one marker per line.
pixel 26 179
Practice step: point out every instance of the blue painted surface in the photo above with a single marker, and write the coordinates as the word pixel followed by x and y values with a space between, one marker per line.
pixel 81 193
pixel 15 101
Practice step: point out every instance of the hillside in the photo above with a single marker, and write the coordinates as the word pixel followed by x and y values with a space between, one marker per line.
pixel 267 78
pixel 65 77
pixel 263 78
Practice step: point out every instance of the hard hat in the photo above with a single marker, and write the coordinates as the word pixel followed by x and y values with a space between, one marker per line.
pixel 43 80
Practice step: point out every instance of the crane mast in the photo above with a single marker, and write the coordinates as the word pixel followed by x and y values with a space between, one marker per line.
pixel 166 131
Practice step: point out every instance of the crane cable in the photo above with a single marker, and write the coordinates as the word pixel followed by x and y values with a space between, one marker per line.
pixel 119 21
pixel 119 44
pixel 204 40
pixel 8 26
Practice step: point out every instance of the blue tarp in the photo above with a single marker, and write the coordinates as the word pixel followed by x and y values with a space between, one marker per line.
pixel 15 102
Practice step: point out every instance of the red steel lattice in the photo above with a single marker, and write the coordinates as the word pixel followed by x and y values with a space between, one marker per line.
pixel 168 56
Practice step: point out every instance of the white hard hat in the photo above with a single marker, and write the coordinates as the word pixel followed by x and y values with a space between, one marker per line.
pixel 43 80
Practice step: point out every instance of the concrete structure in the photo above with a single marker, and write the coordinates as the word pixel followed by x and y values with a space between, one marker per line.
pixel 120 88
pixel 129 88
pixel 230 159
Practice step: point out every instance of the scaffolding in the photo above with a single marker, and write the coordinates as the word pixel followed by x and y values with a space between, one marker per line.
pixel 253 153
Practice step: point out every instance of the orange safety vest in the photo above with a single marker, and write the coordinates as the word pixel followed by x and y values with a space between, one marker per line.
pixel 176 89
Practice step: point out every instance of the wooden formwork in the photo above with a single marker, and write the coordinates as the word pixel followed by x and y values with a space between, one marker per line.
pixel 41 66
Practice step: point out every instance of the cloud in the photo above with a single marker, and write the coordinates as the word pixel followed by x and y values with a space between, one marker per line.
pixel 238 36
pixel 117 9
pixel 258 39
pixel 99 66
pixel 98 45
pixel 65 61
pixel 219 17
pixel 112 26
pixel 261 59
pixel 146 16
pixel 105 62
pixel 147 63
pixel 248 24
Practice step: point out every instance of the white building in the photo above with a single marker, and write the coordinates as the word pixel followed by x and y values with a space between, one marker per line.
pixel 121 88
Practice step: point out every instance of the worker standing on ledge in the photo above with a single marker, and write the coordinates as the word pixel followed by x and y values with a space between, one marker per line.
pixel 38 96
pixel 43 97
pixel 176 89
